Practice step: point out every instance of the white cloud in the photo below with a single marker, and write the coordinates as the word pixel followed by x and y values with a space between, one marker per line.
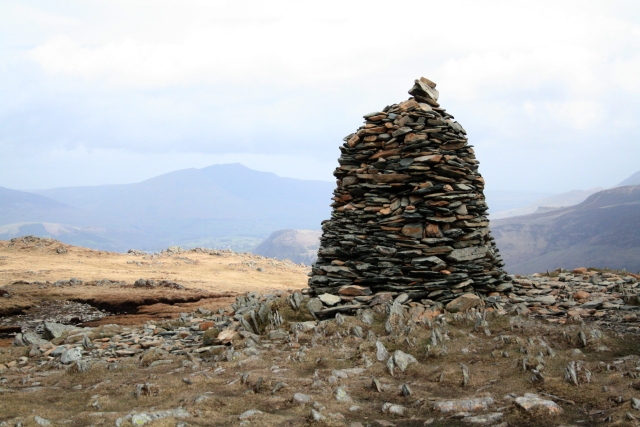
pixel 580 114
pixel 279 83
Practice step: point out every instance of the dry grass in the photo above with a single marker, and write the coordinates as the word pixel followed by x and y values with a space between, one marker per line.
pixel 204 276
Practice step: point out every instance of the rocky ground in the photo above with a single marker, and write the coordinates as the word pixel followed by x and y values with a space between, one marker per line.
pixel 559 349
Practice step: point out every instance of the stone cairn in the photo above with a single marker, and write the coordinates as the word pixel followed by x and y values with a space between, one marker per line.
pixel 409 213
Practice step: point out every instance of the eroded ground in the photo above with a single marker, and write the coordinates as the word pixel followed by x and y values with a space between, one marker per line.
pixel 36 271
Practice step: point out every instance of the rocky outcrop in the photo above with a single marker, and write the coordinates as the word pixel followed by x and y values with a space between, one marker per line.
pixel 409 213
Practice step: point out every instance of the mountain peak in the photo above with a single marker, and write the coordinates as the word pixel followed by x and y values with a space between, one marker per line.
pixel 632 180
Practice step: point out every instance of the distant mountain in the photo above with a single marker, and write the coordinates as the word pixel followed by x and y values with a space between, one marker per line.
pixel 295 245
pixel 22 206
pixel 547 203
pixel 190 207
pixel 503 200
pixel 632 180
pixel 602 231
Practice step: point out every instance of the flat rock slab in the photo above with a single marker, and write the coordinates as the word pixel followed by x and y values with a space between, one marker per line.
pixel 464 405
pixel 329 299
pixel 531 401
pixel 329 312
pixel 463 302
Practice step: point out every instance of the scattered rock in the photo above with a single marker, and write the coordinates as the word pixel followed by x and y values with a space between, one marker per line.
pixel 531 401
pixel 464 405
pixel 390 408
pixel 342 396
pixel 42 421
pixel 381 352
pixel 301 398
pixel 402 359
pixel 71 355
pixel 463 303
pixel 250 414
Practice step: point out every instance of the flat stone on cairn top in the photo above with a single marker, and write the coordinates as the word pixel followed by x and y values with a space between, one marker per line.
pixel 409 213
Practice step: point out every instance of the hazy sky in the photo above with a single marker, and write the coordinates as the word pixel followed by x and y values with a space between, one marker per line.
pixel 97 92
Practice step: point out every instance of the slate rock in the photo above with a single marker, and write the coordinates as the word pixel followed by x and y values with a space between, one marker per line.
pixel 71 355
pixel 531 401
pixel 342 395
pixel 314 305
pixel 381 352
pixel 402 360
pixel 329 299
pixel 463 302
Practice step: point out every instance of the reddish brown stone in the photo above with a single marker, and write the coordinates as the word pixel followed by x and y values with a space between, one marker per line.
pixel 433 231
pixel 206 325
pixel 413 230
pixel 354 291
pixel 581 295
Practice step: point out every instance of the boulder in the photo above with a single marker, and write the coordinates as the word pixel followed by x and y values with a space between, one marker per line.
pixel 463 302
pixel 531 401
pixel 329 299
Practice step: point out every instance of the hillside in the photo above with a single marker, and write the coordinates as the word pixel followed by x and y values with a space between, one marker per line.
pixel 602 231
pixel 222 205
pixel 632 180
pixel 21 206
pixel 569 198
pixel 300 246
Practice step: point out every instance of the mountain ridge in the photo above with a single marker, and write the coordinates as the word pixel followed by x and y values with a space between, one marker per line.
pixel 189 207
pixel 602 231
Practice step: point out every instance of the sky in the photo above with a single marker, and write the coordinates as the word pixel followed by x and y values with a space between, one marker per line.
pixel 108 92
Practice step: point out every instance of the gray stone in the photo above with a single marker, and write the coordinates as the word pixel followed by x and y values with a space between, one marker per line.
pixel 304 326
pixel 250 414
pixel 531 401
pixel 18 341
pixel 492 417
pixel 467 254
pixel 329 299
pixel 42 421
pixel 381 352
pixel 314 305
pixel 464 405
pixel 401 299
pixel 301 398
pixel 366 316
pixel 31 338
pixel 402 359
pixel 342 396
pixel 83 365
pixel 316 416
pixel 390 408
pixel 71 355
pixel 55 330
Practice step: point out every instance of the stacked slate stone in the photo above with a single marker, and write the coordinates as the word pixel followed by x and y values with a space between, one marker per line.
pixel 409 212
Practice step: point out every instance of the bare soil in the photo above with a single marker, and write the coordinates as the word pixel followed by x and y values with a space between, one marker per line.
pixel 30 268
